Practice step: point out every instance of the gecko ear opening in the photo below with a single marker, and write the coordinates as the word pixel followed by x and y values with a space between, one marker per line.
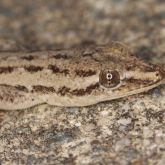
pixel 109 78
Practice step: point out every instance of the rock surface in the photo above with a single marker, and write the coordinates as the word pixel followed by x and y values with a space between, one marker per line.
pixel 124 131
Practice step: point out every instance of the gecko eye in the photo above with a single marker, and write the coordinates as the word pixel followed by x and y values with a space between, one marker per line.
pixel 109 79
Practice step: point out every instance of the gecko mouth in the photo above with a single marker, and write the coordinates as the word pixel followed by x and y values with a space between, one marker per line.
pixel 136 91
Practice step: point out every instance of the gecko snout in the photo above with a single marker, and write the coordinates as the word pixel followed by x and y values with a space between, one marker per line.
pixel 160 74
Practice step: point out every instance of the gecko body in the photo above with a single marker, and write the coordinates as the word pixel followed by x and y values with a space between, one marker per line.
pixel 73 77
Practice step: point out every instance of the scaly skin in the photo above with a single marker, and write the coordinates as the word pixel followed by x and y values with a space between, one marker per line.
pixel 73 77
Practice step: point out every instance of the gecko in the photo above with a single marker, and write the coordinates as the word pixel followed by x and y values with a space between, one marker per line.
pixel 74 77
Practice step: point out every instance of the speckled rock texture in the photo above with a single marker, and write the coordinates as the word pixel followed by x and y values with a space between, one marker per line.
pixel 128 131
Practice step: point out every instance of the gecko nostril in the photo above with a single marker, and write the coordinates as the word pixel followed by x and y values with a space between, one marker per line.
pixel 160 74
pixel 157 74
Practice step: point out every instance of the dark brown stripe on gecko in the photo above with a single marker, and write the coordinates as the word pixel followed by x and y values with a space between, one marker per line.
pixel 77 92
pixel 21 88
pixel 138 82
pixel 33 68
pixel 83 73
pixel 30 69
pixel 10 92
pixel 17 87
pixel 43 89
pixel 55 69
pixel 88 90
pixel 60 56
pixel 6 69
pixel 63 90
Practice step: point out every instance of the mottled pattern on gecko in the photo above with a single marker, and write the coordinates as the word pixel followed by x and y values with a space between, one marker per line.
pixel 73 77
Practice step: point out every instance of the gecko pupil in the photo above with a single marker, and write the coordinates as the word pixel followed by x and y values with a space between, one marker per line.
pixel 109 79
pixel 109 76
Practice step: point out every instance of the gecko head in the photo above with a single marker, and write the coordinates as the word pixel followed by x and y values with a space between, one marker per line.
pixel 124 74
pixel 130 79
pixel 117 73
